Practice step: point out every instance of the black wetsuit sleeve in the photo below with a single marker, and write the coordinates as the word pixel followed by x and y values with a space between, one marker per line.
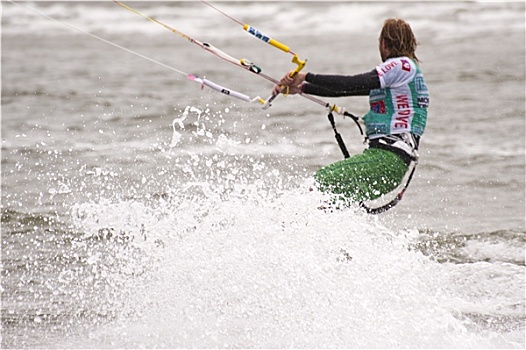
pixel 341 85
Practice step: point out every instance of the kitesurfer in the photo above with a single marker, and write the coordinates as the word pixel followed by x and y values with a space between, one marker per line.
pixel 398 98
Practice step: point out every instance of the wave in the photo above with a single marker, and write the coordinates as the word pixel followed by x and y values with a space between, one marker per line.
pixel 314 19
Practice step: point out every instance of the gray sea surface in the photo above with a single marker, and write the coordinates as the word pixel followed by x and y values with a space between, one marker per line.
pixel 142 210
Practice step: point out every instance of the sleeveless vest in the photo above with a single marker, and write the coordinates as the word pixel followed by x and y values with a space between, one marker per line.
pixel 400 105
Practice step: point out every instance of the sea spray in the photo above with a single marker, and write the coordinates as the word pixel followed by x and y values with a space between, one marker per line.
pixel 263 270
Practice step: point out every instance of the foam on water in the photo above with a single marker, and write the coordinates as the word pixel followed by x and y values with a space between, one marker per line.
pixel 260 270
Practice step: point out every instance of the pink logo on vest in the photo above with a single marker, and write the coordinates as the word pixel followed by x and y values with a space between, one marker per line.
pixel 406 65
pixel 402 116
pixel 386 68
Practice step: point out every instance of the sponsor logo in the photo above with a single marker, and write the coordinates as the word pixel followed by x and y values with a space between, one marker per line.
pixel 386 68
pixel 406 65
pixel 258 34
pixel 423 102
pixel 420 84
pixel 402 102
pixel 402 115
pixel 378 107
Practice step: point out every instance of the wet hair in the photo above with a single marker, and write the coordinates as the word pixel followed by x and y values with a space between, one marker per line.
pixel 399 38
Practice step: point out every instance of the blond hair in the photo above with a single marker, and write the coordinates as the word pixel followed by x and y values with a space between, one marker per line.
pixel 399 38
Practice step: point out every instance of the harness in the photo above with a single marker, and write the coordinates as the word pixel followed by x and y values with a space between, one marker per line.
pixel 403 145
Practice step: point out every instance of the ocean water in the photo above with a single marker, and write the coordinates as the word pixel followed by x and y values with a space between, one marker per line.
pixel 140 210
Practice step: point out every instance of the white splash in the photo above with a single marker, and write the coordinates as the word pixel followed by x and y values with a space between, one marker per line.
pixel 274 271
pixel 176 137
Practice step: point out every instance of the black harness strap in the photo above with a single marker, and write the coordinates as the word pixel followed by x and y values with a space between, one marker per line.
pixel 337 135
